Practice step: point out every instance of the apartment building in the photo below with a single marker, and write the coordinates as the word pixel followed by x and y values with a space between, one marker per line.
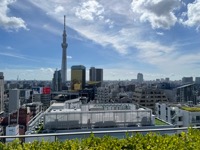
pixel 178 114
pixel 148 96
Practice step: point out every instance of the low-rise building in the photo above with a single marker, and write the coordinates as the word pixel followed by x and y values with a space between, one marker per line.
pixel 178 114
pixel 75 117
pixel 12 130
pixel 34 107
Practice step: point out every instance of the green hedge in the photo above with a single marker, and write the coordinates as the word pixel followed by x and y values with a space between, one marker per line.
pixel 150 141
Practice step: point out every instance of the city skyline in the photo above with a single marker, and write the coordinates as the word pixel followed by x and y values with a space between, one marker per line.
pixel 158 38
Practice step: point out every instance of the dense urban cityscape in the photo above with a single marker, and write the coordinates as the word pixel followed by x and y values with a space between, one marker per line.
pixel 35 107
pixel 76 105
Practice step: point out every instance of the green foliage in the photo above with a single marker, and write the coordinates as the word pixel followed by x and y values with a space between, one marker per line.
pixel 150 141
pixel 191 109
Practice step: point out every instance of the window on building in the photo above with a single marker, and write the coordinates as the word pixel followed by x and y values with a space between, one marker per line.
pixel 198 118
pixel 172 112
pixel 180 118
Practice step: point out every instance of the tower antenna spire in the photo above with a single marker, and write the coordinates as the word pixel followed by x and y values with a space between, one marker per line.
pixel 64 22
pixel 64 54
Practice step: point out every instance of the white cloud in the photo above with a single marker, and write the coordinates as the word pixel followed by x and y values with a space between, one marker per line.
pixel 59 9
pixel 128 38
pixel 18 56
pixel 160 33
pixel 31 73
pixel 160 13
pixel 192 14
pixel 9 48
pixel 8 22
pixel 150 49
pixel 28 74
pixel 69 57
pixel 89 10
pixel 52 29
pixel 50 70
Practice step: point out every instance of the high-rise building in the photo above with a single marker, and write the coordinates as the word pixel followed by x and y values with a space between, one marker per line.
pixel 1 92
pixel 197 80
pixel 140 77
pixel 92 74
pixel 167 79
pixel 78 77
pixel 14 101
pixel 96 74
pixel 187 80
pixel 57 81
pixel 64 56
pixel 99 74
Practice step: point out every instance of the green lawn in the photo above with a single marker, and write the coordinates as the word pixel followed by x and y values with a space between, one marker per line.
pixel 192 109
pixel 159 122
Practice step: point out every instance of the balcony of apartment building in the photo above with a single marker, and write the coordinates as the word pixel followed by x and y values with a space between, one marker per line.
pixel 173 116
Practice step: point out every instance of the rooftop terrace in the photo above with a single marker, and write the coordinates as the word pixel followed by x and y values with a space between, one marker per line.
pixel 191 109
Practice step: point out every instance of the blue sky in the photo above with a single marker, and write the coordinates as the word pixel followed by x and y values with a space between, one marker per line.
pixel 159 38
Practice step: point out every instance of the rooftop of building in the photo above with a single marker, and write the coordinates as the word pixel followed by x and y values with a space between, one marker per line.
pixel 93 82
pixel 191 109
pixel 78 67
pixel 76 105
pixel 184 106
pixel 159 122
pixel 33 104
pixel 186 85
pixel 75 115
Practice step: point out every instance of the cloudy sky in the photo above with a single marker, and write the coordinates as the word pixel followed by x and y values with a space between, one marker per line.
pixel 159 38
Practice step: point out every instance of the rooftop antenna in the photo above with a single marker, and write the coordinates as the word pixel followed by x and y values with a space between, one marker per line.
pixel 64 22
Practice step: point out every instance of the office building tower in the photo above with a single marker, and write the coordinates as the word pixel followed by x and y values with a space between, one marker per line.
pixel 78 77
pixel 92 74
pixel 96 74
pixel 1 92
pixel 140 77
pixel 167 79
pixel 14 101
pixel 57 81
pixel 64 56
pixel 99 75
pixel 197 80
pixel 187 80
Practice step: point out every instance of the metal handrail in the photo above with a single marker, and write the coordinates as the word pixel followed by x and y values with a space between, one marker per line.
pixel 98 132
